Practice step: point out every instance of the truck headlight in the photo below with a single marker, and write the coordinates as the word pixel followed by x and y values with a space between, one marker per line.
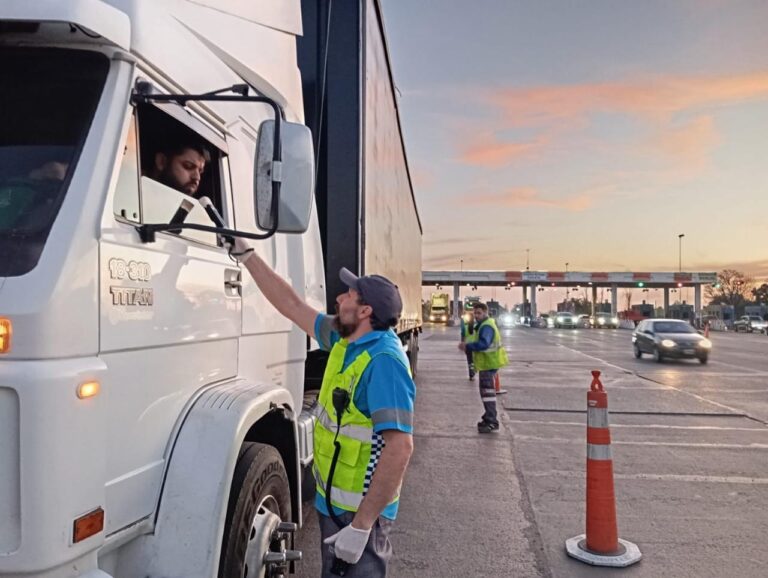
pixel 615 320
pixel 667 343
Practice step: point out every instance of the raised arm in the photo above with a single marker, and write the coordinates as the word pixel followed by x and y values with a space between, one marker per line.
pixel 277 291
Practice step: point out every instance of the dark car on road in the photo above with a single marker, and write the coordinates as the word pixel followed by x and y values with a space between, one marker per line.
pixel 670 339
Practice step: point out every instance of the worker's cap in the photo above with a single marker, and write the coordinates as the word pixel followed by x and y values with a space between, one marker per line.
pixel 378 292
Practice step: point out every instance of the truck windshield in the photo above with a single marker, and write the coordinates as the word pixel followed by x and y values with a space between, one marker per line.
pixel 47 100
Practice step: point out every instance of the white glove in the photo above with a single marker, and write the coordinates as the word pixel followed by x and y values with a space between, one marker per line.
pixel 241 250
pixel 348 543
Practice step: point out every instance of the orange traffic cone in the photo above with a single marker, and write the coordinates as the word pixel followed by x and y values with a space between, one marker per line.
pixel 497 383
pixel 601 545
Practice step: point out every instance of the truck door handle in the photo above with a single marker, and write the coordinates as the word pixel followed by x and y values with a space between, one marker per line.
pixel 233 283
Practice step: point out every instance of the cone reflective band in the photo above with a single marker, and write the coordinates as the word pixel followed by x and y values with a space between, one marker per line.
pixel 601 545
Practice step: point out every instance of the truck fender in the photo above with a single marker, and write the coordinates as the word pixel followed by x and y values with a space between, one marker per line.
pixel 190 518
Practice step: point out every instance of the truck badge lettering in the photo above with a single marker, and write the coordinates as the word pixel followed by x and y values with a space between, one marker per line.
pixel 131 296
pixel 133 270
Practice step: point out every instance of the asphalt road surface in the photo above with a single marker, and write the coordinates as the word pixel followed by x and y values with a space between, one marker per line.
pixel 690 458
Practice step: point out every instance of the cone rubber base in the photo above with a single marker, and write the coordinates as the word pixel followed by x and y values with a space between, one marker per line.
pixel 576 548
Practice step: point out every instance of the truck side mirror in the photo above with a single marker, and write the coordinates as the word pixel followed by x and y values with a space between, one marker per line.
pixel 296 174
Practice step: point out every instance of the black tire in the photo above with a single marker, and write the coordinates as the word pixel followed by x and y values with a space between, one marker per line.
pixel 703 359
pixel 260 482
pixel 638 353
pixel 657 356
pixel 413 353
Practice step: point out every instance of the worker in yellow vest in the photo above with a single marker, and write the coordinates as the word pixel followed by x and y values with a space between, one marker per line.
pixel 364 414
pixel 489 356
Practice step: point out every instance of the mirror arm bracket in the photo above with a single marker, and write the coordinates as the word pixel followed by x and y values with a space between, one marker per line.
pixel 147 232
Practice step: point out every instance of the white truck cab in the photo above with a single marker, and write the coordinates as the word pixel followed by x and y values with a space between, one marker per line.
pixel 150 397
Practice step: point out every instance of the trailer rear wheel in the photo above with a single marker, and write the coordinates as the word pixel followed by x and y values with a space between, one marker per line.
pixel 413 352
pixel 259 501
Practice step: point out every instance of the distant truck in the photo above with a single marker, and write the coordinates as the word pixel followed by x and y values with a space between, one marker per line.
pixel 439 308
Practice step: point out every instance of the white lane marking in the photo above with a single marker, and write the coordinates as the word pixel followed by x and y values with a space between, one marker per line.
pixel 739 367
pixel 658 477
pixel 641 426
pixel 693 395
pixel 645 443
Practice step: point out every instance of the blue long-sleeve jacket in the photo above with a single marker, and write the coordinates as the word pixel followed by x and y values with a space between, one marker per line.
pixel 484 340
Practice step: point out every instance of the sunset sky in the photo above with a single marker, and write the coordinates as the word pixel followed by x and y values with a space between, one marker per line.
pixel 592 132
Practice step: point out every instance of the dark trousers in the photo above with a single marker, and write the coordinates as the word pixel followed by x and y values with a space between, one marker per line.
pixel 487 384
pixel 377 553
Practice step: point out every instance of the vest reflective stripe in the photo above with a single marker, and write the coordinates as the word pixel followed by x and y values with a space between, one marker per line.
pixel 340 498
pixel 495 356
pixel 356 432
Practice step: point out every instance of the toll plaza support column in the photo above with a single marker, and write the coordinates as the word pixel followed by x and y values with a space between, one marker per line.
pixel 525 301
pixel 533 302
pixel 614 300
pixel 666 301
pixel 696 301
pixel 594 301
pixel 456 304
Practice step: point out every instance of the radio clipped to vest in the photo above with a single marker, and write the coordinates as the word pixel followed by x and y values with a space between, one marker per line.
pixel 340 400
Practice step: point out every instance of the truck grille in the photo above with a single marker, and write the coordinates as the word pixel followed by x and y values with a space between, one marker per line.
pixel 10 487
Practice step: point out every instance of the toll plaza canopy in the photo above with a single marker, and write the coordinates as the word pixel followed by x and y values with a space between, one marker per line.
pixel 569 278
pixel 665 280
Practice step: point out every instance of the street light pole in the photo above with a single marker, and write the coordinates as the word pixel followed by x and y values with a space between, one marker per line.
pixel 527 259
pixel 680 251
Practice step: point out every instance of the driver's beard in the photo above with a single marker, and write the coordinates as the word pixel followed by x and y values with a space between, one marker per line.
pixel 344 329
pixel 169 180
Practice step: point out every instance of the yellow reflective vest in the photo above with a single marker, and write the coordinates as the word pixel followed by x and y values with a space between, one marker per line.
pixel 355 434
pixel 495 356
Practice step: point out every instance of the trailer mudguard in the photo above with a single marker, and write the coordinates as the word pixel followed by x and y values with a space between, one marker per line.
pixel 187 537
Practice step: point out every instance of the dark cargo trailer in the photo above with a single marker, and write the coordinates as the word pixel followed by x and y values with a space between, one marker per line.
pixel 367 211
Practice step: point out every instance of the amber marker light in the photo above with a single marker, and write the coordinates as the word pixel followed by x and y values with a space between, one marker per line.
pixel 6 330
pixel 86 526
pixel 88 389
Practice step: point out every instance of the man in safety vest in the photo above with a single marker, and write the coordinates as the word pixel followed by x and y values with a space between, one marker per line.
pixel 489 356
pixel 364 447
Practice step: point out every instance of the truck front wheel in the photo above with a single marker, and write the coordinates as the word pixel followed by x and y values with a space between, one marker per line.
pixel 259 502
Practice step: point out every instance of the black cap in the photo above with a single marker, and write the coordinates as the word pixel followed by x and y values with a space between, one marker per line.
pixel 378 292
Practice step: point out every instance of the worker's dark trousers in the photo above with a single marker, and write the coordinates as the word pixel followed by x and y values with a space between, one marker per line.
pixel 470 364
pixel 488 395
pixel 377 553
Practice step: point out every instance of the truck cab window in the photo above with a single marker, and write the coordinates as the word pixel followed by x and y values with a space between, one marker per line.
pixel 166 165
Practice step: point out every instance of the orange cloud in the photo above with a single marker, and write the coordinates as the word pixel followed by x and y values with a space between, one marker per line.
pixel 530 197
pixel 691 143
pixel 488 151
pixel 660 96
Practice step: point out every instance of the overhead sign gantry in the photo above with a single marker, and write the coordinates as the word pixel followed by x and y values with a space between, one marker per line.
pixel 665 280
